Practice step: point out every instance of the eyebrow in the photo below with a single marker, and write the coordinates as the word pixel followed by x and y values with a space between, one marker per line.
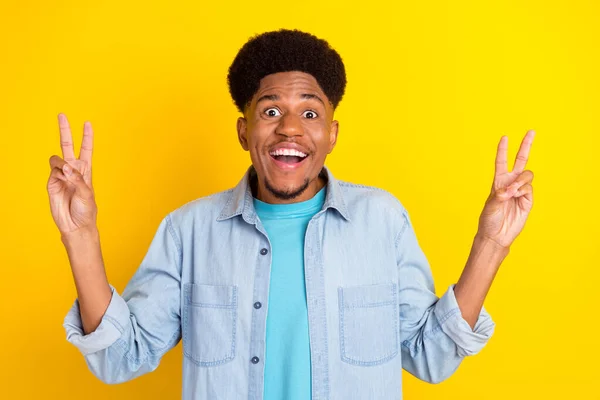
pixel 274 97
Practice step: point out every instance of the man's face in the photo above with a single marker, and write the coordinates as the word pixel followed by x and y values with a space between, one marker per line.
pixel 288 128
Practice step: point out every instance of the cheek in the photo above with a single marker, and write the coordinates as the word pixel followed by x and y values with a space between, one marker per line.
pixel 256 143
pixel 259 132
pixel 322 139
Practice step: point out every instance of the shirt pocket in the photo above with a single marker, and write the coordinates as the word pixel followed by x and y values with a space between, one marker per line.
pixel 369 327
pixel 209 323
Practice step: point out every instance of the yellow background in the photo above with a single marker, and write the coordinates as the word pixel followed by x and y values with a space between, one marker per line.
pixel 432 86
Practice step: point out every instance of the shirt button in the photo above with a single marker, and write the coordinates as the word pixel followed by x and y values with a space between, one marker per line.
pixel 255 360
pixel 264 251
pixel 257 305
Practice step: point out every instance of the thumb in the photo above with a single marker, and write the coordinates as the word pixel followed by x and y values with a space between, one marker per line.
pixel 504 194
pixel 74 178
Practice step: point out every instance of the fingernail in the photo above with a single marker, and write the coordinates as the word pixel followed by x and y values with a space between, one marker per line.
pixel 67 169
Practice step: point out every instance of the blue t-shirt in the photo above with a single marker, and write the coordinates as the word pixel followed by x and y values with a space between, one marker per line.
pixel 287 361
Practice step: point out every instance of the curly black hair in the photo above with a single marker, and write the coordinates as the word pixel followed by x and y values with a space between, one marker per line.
pixel 281 51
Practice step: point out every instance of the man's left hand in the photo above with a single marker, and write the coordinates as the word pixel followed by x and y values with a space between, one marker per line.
pixel 511 199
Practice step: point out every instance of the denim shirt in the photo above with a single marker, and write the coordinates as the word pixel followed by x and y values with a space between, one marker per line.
pixel 372 307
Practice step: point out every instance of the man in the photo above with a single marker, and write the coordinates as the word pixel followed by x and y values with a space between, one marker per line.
pixel 292 285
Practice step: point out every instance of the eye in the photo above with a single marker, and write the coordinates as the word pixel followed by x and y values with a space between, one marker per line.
pixel 310 114
pixel 272 112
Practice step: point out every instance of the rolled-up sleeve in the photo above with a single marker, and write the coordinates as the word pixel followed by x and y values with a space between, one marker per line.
pixel 468 341
pixel 141 325
pixel 107 333
pixel 434 336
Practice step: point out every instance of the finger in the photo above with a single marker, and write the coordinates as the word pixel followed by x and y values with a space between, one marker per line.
pixel 528 195
pixel 57 173
pixel 54 184
pixel 75 178
pixel 523 154
pixel 504 194
pixel 524 190
pixel 57 162
pixel 501 157
pixel 85 153
pixel 66 139
pixel 508 192
pixel 524 178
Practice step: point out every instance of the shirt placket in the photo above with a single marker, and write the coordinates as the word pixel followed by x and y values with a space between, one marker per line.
pixel 260 293
pixel 317 312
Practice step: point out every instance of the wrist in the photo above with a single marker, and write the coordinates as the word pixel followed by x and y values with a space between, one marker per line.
pixel 79 237
pixel 489 245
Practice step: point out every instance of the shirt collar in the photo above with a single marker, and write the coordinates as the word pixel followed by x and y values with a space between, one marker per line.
pixel 240 198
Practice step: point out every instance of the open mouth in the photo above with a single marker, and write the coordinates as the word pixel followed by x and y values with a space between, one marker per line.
pixel 289 157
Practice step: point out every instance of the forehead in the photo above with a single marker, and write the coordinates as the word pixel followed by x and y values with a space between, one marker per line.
pixel 290 83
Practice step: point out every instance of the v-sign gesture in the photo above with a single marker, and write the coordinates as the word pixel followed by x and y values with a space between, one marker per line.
pixel 70 183
pixel 511 199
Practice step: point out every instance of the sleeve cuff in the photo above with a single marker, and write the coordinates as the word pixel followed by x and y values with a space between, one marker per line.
pixel 468 341
pixel 107 333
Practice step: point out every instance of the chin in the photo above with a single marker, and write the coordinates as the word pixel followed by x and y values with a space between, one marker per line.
pixel 287 191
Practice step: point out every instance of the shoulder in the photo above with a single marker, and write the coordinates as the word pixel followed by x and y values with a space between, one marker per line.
pixel 200 209
pixel 372 201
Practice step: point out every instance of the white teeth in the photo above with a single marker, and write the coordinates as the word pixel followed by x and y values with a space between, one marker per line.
pixel 287 152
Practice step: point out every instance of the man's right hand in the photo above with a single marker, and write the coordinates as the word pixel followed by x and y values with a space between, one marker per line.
pixel 70 189
pixel 74 211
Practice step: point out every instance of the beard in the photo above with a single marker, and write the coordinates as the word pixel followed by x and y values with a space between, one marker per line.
pixel 288 194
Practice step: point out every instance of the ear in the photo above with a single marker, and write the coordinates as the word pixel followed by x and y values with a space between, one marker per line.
pixel 241 130
pixel 333 132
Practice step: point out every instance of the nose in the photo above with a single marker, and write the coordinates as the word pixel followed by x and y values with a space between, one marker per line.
pixel 290 125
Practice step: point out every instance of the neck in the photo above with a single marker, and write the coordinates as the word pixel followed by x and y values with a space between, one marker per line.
pixel 263 194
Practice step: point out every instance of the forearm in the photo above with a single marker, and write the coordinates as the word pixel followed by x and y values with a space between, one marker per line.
pixel 87 266
pixel 477 277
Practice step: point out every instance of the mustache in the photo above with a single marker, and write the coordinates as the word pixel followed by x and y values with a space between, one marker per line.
pixel 305 149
